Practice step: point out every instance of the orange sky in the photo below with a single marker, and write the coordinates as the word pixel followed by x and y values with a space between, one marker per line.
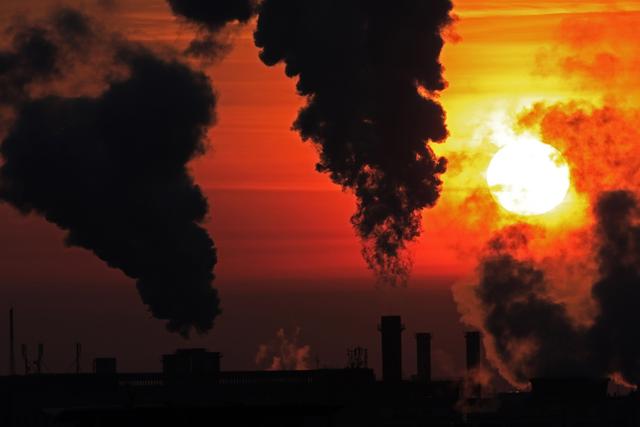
pixel 278 223
pixel 270 209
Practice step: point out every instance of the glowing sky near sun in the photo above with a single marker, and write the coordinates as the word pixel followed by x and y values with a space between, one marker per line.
pixel 282 227
pixel 272 210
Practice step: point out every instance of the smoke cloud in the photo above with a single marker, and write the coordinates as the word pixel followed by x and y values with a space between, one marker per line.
pixel 371 74
pixel 532 334
pixel 596 51
pixel 35 54
pixel 598 142
pixel 111 168
pixel 284 353
pixel 564 302
pixel 615 333
pixel 211 19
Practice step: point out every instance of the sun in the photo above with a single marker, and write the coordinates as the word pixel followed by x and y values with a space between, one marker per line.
pixel 528 177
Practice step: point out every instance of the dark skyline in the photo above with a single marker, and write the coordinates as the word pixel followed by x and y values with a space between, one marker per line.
pixel 227 175
pixel 328 336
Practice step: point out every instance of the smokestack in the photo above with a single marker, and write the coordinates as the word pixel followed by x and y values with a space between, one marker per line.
pixel 39 359
pixel 12 350
pixel 423 355
pixel 391 328
pixel 78 354
pixel 474 349
pixel 25 359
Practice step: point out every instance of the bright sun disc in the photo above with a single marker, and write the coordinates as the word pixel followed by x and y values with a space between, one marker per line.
pixel 528 177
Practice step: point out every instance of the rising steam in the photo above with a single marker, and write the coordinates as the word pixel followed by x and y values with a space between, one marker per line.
pixel 565 303
pixel 284 353
pixel 532 333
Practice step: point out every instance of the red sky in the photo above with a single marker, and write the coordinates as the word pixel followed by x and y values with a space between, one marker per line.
pixel 287 254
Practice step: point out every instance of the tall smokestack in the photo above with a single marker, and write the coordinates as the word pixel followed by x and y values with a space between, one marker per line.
pixel 12 350
pixel 25 359
pixel 78 354
pixel 423 356
pixel 391 328
pixel 474 349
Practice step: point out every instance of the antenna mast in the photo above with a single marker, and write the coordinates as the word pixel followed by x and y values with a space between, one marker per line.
pixel 12 351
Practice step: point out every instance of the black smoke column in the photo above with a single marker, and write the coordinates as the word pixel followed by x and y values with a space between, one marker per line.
pixel 211 17
pixel 370 71
pixel 519 311
pixel 391 328
pixel 213 14
pixel 111 170
pixel 615 336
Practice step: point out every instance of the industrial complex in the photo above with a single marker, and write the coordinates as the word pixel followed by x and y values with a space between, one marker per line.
pixel 194 389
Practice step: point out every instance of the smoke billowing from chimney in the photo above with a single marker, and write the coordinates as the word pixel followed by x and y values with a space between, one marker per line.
pixel 210 19
pixel 284 353
pixel 532 333
pixel 111 168
pixel 370 72
pixel 615 332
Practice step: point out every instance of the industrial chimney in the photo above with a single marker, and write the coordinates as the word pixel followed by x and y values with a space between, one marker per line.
pixel 423 356
pixel 474 349
pixel 391 328
pixel 78 355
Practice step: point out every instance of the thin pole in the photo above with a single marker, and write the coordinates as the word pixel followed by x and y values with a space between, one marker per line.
pixel 78 353
pixel 12 352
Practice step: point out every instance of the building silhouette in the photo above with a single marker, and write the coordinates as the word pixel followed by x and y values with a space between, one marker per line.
pixel 193 389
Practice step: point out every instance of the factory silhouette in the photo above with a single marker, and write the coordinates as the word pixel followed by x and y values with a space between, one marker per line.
pixel 194 389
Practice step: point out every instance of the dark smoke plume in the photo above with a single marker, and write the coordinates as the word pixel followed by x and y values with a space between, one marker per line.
pixel 370 71
pixel 111 169
pixel 211 17
pixel 33 57
pixel 615 333
pixel 533 334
